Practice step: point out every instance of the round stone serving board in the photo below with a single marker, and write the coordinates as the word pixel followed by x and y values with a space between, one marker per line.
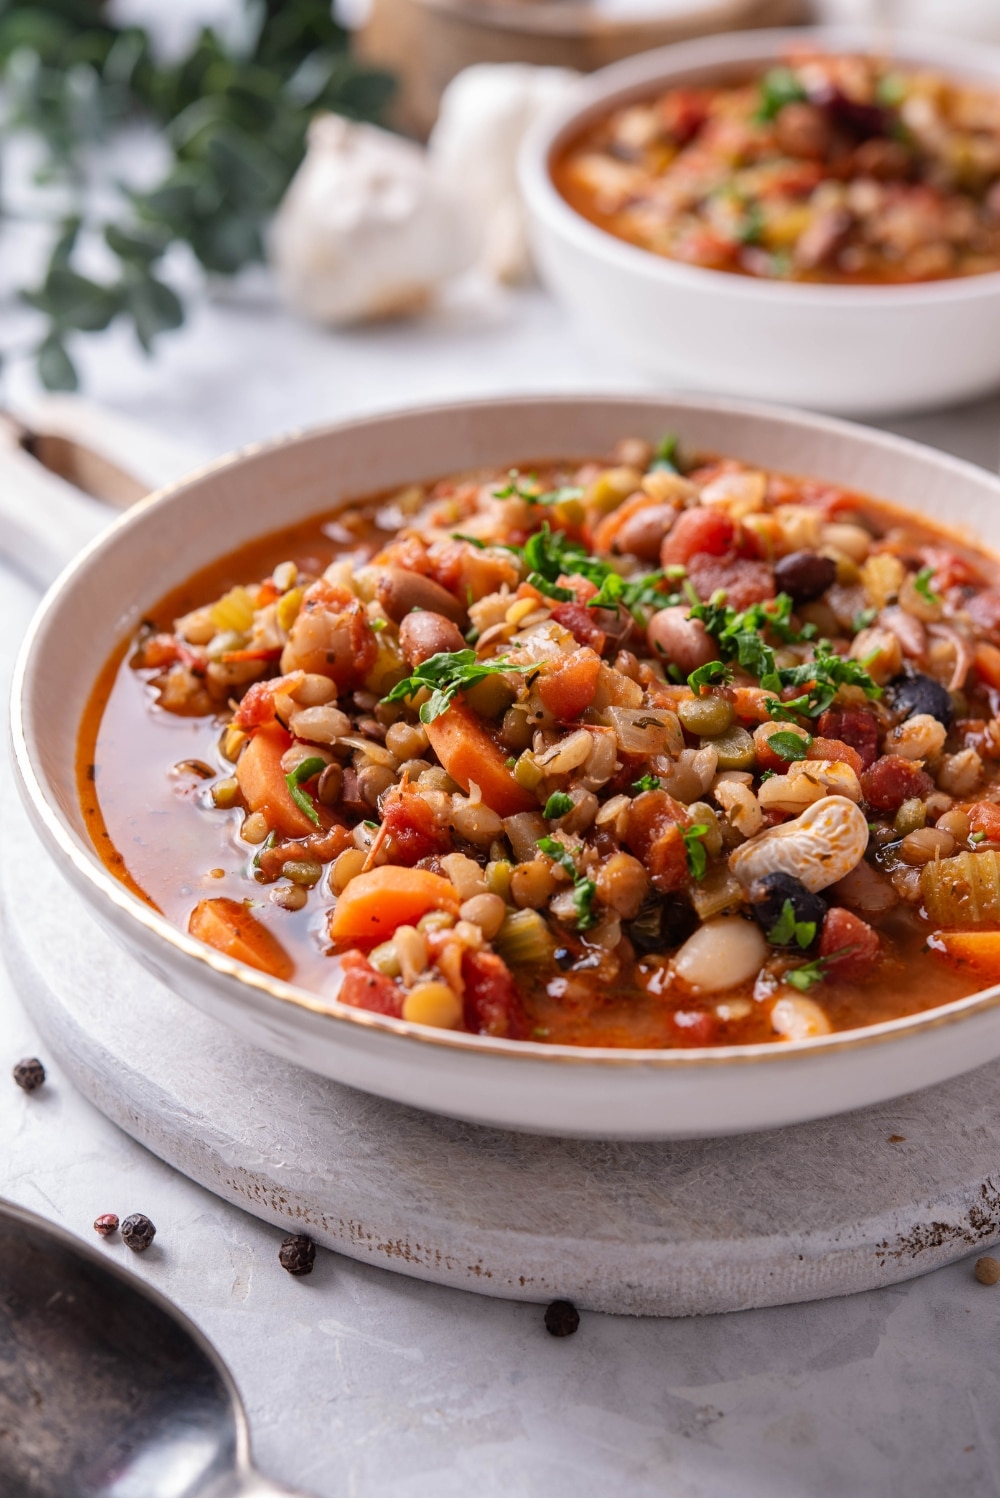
pixel 673 1228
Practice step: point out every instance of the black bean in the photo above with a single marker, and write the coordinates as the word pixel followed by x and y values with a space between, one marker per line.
pixel 138 1232
pixel 561 1319
pixel 769 894
pixel 28 1074
pixel 916 693
pixel 804 575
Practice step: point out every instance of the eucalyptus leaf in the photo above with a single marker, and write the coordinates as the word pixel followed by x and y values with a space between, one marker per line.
pixel 154 308
pixel 56 370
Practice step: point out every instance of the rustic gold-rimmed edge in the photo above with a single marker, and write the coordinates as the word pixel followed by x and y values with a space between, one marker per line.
pixel 90 874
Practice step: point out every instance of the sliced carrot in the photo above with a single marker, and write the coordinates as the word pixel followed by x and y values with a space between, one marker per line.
pixel 987 663
pixel 984 818
pixel 468 752
pixel 228 926
pixel 375 903
pixel 570 687
pixel 263 784
pixel 976 953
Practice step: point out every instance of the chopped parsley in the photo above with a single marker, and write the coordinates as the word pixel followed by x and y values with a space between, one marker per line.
pixel 446 674
pixel 863 619
pixel 821 678
pixel 584 889
pixel 665 456
pixel 713 671
pixel 550 555
pixel 526 487
pixel 922 584
pixel 647 783
pixel 804 977
pixel 778 87
pixel 313 765
pixel 787 930
pixel 789 746
pixel 558 805
pixel 697 854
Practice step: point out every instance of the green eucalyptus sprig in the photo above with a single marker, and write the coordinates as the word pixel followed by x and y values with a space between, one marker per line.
pixel 232 118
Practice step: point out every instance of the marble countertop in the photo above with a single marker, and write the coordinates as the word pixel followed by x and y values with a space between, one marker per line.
pixel 358 1381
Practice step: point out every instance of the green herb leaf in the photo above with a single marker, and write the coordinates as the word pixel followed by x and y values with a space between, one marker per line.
pixel 558 805
pixel 713 671
pixel 778 87
pixel 863 619
pixel 787 930
pixel 647 783
pixel 807 975
pixel 448 673
pixel 697 854
pixel 584 890
pixel 922 584
pixel 789 746
pixel 665 456
pixel 313 765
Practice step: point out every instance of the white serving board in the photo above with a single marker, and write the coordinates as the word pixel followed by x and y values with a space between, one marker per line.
pixel 664 1228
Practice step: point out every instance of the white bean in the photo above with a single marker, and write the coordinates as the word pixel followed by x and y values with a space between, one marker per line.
pixel 796 1017
pixel 721 955
pixel 819 847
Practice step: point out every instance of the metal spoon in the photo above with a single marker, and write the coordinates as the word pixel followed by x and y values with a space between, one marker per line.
pixel 105 1388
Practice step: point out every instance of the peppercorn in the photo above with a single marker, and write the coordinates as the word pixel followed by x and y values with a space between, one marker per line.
pixel 561 1319
pixel 138 1232
pixel 297 1254
pixel 29 1074
pixel 987 1270
pixel 106 1224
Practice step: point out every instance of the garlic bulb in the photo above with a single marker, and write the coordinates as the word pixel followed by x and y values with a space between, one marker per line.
pixel 485 113
pixel 367 228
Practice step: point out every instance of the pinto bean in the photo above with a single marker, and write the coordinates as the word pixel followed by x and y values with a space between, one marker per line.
pixel 642 534
pixel 674 638
pixel 425 633
pixel 803 130
pixel 399 591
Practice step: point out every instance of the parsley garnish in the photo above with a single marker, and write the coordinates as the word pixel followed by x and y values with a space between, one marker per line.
pixel 787 930
pixel 922 584
pixel 778 87
pixel 527 488
pixel 647 783
pixel 697 854
pixel 584 889
pixel 977 838
pixel 665 456
pixel 313 765
pixel 789 746
pixel 713 671
pixel 821 677
pixel 558 805
pixel 804 977
pixel 446 674
pixel 550 555
pixel 863 619
pixel 473 541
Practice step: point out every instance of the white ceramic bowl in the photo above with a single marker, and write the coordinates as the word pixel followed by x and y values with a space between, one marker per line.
pixel 866 350
pixel 526 1086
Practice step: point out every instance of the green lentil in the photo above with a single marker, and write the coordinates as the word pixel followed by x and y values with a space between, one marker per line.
pixel 710 715
pixel 735 749
pixel 911 816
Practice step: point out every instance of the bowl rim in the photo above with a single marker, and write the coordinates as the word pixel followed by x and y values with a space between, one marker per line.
pixel 85 868
pixel 636 77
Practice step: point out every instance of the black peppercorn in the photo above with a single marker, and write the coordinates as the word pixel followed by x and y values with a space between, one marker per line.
pixel 561 1319
pixel 138 1232
pixel 297 1254
pixel 29 1074
pixel 106 1224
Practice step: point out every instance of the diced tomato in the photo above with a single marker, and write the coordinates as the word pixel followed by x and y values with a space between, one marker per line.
pixel 412 825
pixel 824 749
pixel 580 622
pixel 492 1001
pixel 987 663
pixel 158 651
pixel 364 987
pixel 949 569
pixel 682 113
pixel 569 688
pixel 744 580
pixel 853 941
pixel 984 818
pixel 694 531
pixel 891 781
pixel 653 834
pixel 257 704
pixel 857 727
pixel 693 1028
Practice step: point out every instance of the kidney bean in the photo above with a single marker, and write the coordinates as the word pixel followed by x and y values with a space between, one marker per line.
pixel 425 633
pixel 804 575
pixel 642 534
pixel 399 591
pixel 675 638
